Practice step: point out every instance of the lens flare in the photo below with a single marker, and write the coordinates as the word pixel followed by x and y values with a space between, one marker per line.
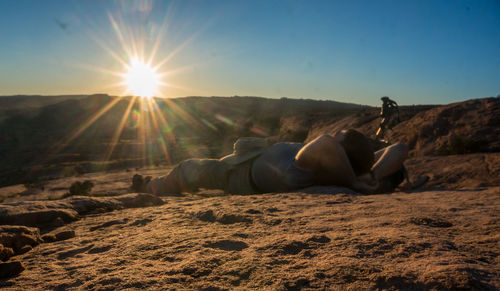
pixel 141 79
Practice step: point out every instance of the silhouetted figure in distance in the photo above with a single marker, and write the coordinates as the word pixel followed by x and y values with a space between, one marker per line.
pixel 389 109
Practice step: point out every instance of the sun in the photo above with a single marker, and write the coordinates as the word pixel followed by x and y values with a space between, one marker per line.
pixel 141 80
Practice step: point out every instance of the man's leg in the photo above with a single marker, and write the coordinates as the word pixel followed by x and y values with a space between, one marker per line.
pixel 190 175
pixel 381 129
pixel 389 160
pixel 326 157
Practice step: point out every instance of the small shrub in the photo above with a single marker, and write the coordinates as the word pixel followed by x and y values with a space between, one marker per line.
pixel 79 188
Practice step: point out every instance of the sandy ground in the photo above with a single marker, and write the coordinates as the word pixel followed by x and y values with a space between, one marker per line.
pixel 417 241
pixel 445 236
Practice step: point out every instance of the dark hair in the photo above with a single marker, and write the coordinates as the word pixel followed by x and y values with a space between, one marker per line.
pixel 359 150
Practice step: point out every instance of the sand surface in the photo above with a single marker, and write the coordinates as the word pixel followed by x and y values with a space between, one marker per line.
pixel 420 240
pixel 444 236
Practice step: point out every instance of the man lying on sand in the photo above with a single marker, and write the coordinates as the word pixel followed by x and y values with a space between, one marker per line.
pixel 346 159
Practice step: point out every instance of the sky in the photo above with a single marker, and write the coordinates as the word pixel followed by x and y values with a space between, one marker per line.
pixel 416 52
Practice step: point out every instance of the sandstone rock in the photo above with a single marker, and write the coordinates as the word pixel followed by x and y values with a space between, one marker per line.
pixel 64 235
pixel 10 269
pixel 51 213
pixel 138 200
pixel 86 205
pixel 18 238
pixel 58 236
pixel 48 238
pixel 5 253
pixel 24 249
pixel 19 214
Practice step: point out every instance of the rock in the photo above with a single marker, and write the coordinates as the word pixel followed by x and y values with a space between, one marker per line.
pixel 20 239
pixel 58 236
pixel 229 218
pixel 48 238
pixel 24 249
pixel 207 215
pixel 65 234
pixel 18 215
pixel 10 269
pixel 432 222
pixel 322 239
pixel 57 213
pixel 5 253
pixel 58 222
pixel 138 200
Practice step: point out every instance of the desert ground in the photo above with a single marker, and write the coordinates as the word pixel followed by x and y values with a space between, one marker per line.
pixel 443 236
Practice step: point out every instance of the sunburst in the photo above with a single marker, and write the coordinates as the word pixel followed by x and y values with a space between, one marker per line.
pixel 141 79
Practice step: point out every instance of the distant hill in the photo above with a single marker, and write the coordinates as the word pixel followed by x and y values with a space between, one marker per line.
pixel 10 105
pixel 38 143
pixel 32 101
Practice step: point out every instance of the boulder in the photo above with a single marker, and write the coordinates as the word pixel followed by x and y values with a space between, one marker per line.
pixel 56 213
pixel 10 269
pixel 15 240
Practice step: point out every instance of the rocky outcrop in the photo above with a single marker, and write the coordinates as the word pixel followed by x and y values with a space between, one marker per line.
pixel 53 213
pixel 457 128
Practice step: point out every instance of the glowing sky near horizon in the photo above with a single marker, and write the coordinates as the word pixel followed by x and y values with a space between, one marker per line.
pixel 416 52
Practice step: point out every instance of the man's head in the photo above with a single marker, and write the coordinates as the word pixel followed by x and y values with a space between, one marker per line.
pixel 359 150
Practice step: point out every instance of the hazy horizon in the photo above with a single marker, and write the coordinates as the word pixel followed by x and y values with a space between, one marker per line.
pixel 422 52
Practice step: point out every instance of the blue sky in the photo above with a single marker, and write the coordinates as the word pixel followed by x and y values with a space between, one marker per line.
pixel 416 52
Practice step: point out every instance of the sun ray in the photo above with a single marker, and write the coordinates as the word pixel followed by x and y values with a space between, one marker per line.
pixel 173 53
pixel 119 129
pixel 183 88
pixel 97 69
pixel 64 142
pixel 178 70
pixel 119 33
pixel 142 130
pixel 163 29
pixel 107 49
pixel 161 141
